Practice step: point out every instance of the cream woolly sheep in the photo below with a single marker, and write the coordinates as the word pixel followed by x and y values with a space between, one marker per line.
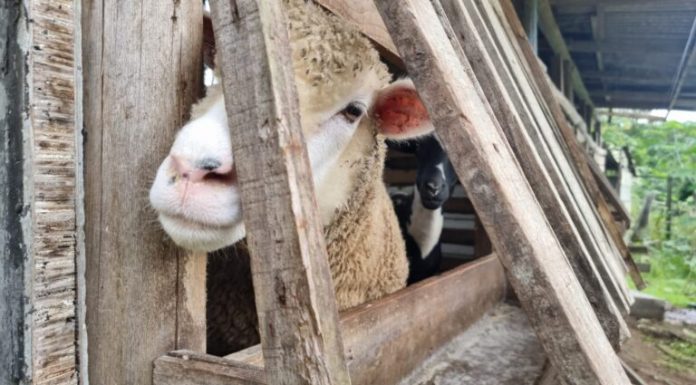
pixel 346 108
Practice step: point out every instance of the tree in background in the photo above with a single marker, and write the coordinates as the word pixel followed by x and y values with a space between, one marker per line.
pixel 664 155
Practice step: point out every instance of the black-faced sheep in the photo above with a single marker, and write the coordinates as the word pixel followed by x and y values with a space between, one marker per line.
pixel 420 214
pixel 347 109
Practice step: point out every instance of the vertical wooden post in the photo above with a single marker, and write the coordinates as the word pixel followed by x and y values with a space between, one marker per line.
pixel 298 318
pixel 534 260
pixel 531 23
pixel 40 144
pixel 142 71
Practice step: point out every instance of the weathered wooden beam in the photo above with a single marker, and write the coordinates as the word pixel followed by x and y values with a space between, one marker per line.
pixel 40 192
pixel 142 73
pixel 541 160
pixel 579 157
pixel 298 321
pixel 364 15
pixel 533 258
pixel 384 339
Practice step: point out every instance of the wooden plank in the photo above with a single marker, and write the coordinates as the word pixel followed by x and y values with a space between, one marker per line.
pixel 532 151
pixel 384 339
pixel 573 193
pixel 39 186
pixel 142 68
pixel 364 15
pixel 519 231
pixel 191 368
pixel 608 252
pixel 298 321
pixel 579 157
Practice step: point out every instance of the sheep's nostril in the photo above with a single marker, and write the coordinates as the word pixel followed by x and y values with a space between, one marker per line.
pixel 209 164
pixel 204 170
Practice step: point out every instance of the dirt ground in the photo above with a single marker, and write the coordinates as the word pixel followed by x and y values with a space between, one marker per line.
pixel 650 352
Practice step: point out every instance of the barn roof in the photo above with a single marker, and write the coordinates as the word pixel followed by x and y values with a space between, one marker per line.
pixel 632 53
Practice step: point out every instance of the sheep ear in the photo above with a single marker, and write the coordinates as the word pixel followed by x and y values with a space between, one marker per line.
pixel 400 113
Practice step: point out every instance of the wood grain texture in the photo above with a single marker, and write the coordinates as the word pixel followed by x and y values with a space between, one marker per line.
pixel 191 368
pixel 503 89
pixel 39 229
pixel 384 339
pixel 579 157
pixel 534 260
pixel 364 15
pixel 298 321
pixel 142 71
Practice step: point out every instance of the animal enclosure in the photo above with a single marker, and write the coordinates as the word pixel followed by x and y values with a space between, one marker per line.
pixel 98 292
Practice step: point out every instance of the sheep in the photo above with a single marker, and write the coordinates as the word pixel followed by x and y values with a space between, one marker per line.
pixel 347 109
pixel 420 214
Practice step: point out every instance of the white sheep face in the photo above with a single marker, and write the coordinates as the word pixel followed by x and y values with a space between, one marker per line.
pixel 195 191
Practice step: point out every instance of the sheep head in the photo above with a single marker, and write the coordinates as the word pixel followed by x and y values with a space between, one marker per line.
pixel 345 105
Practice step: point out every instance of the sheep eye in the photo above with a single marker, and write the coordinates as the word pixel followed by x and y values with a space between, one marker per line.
pixel 353 112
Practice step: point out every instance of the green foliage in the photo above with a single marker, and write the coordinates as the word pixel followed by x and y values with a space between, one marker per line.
pixel 662 151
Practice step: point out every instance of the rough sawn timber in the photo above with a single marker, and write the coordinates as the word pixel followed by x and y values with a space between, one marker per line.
pixel 298 318
pixel 580 158
pixel 145 297
pixel 40 137
pixel 536 160
pixel 534 261
pixel 384 339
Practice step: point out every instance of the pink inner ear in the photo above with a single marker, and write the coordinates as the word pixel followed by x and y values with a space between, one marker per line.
pixel 399 112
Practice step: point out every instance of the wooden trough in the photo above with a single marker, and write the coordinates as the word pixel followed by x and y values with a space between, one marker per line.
pixel 97 294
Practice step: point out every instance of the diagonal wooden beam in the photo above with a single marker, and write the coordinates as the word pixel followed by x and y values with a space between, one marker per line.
pixel 298 318
pixel 532 256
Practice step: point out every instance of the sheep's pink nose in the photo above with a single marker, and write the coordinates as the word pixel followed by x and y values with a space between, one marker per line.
pixel 204 169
